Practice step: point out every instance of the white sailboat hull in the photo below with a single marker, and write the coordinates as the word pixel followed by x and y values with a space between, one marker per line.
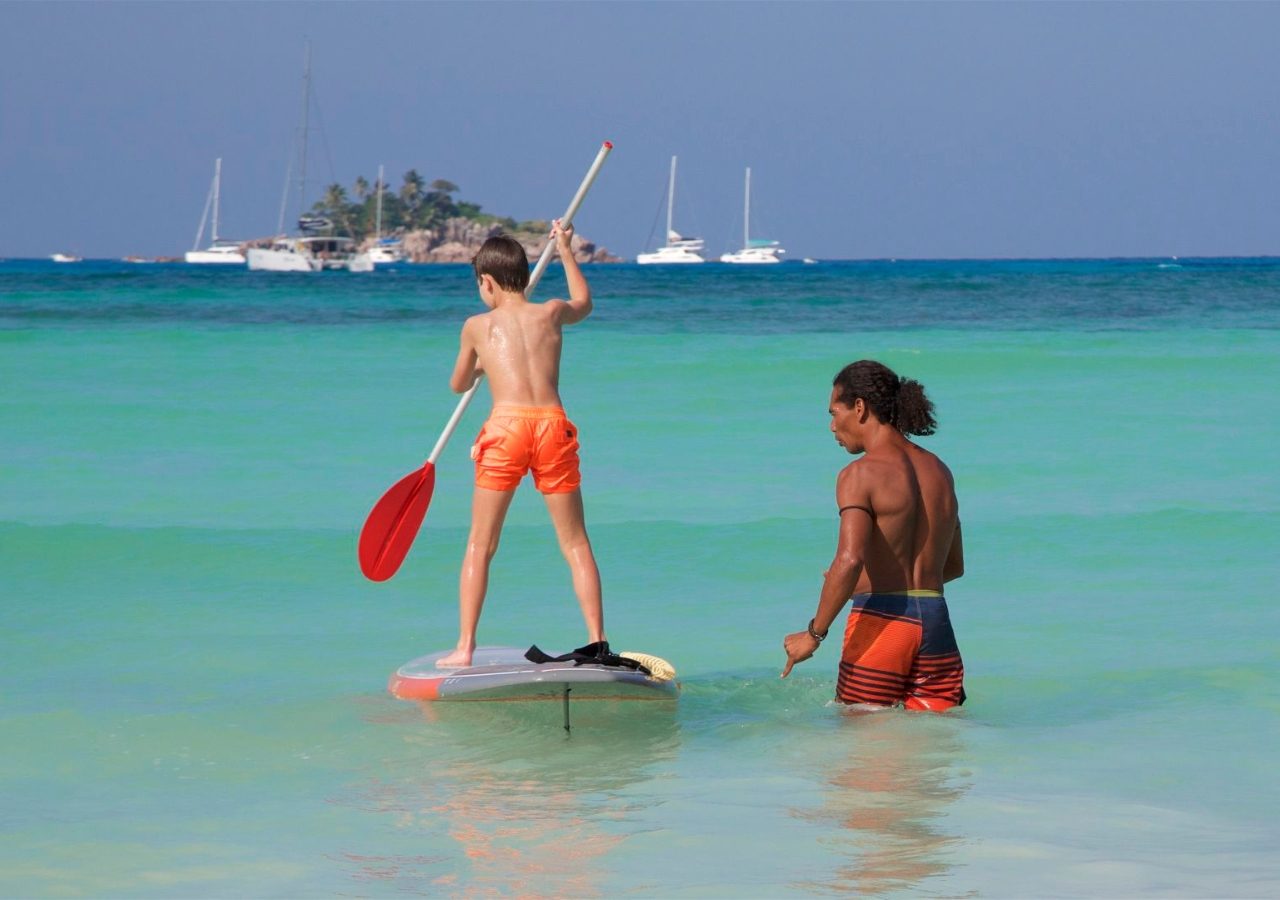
pixel 215 256
pixel 270 260
pixel 309 254
pixel 385 256
pixel 753 256
pixel 669 256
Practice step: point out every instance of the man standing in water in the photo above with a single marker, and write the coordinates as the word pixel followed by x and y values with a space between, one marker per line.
pixel 899 543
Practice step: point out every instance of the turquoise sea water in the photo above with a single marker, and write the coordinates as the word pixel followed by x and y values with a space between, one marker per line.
pixel 192 669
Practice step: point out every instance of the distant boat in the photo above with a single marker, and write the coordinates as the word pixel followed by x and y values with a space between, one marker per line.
pixel 753 251
pixel 309 253
pixel 316 248
pixel 219 252
pixel 678 249
pixel 385 251
pixel 65 258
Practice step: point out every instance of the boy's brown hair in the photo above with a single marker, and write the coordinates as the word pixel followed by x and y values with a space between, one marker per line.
pixel 503 257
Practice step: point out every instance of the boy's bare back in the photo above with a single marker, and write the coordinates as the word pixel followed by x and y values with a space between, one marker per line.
pixel 517 343
pixel 518 348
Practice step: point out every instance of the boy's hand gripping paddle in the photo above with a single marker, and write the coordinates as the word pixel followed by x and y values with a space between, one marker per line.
pixel 394 520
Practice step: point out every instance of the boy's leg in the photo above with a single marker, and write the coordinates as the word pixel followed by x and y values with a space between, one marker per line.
pixel 571 531
pixel 488 511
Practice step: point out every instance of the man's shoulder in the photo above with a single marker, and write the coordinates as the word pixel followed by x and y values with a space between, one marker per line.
pixel 854 474
pixel 872 471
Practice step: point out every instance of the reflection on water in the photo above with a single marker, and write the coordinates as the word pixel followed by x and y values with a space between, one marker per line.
pixel 750 786
pixel 892 776
pixel 501 800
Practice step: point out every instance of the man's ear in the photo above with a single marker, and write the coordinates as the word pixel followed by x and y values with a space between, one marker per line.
pixel 860 410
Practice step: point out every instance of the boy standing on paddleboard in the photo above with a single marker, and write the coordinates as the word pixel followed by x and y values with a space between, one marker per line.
pixel 899 543
pixel 517 345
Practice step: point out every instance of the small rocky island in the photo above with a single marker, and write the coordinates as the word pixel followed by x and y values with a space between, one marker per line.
pixel 430 224
pixel 456 240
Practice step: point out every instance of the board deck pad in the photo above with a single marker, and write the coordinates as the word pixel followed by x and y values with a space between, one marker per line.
pixel 502 673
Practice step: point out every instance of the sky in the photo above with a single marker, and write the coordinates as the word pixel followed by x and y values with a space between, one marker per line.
pixel 873 130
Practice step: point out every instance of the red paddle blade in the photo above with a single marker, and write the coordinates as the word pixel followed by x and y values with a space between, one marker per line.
pixel 393 523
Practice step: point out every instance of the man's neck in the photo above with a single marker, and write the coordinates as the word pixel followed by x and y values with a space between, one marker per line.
pixel 883 437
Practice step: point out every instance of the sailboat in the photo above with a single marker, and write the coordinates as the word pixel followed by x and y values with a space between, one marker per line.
pixel 220 251
pixel 678 249
pixel 316 248
pixel 753 251
pixel 384 251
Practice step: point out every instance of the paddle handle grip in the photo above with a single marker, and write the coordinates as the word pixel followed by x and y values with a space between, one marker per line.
pixel 536 276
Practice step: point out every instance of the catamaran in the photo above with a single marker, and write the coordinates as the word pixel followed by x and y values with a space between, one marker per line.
pixel 316 248
pixel 753 251
pixel 678 249
pixel 220 252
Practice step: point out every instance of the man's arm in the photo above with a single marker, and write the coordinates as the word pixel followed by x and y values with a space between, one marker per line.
pixel 467 369
pixel 953 568
pixel 578 306
pixel 842 577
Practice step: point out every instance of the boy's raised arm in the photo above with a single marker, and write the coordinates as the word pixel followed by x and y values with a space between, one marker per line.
pixel 579 302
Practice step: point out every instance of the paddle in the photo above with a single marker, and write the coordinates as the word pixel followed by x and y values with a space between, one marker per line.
pixel 394 520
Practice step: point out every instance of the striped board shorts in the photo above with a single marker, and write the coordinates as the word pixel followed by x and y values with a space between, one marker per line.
pixel 899 649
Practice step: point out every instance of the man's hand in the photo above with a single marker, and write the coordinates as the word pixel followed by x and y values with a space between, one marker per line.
pixel 799 647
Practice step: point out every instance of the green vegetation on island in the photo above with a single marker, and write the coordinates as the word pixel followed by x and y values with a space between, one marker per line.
pixel 428 222
pixel 415 206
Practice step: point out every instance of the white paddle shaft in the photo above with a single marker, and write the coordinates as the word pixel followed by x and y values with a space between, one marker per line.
pixel 543 261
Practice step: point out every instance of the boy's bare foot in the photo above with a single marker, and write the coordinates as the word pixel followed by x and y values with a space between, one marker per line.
pixel 458 659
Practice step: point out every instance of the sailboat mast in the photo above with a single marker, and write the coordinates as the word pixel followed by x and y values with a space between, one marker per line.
pixel 378 226
pixel 306 110
pixel 671 197
pixel 746 212
pixel 217 190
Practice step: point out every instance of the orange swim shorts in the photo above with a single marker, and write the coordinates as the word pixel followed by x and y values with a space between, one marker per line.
pixel 520 439
pixel 900 648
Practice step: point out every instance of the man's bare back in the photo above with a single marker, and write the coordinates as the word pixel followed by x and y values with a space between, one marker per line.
pixel 909 496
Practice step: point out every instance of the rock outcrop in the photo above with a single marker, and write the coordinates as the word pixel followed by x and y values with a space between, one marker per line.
pixel 459 239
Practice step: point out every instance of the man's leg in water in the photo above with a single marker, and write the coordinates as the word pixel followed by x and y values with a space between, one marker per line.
pixel 571 531
pixel 488 512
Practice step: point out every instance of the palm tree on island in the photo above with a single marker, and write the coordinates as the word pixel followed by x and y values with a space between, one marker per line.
pixel 430 212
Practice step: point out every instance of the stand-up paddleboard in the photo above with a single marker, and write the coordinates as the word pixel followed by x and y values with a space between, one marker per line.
pixel 503 673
